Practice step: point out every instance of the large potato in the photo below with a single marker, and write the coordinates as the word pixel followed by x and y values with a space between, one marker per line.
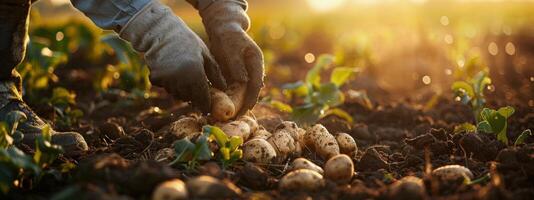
pixel 258 150
pixel 346 143
pixel 320 140
pixel 339 169
pixel 236 128
pixel 292 129
pixel 283 143
pixel 303 163
pixel 301 179
pixel 183 127
pixel 226 105
pixel 174 189
pixel 453 172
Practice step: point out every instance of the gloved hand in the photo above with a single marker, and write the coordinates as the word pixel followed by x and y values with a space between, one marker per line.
pixel 178 59
pixel 241 60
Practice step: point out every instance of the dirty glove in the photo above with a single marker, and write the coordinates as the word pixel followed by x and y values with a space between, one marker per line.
pixel 177 58
pixel 240 58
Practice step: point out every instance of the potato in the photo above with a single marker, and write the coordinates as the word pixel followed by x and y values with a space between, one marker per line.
pixel 301 179
pixel 259 151
pixel 339 169
pixel 183 127
pixel 283 143
pixel 320 140
pixel 261 133
pixel 453 172
pixel 251 123
pixel 237 128
pixel 408 187
pixel 346 143
pixel 226 105
pixel 174 189
pixel 222 107
pixel 292 129
pixel 303 163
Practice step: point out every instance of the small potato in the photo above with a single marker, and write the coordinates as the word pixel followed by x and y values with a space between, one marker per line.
pixel 301 179
pixel 408 187
pixel 453 172
pixel 237 128
pixel 174 189
pixel 292 129
pixel 303 163
pixel 339 169
pixel 259 151
pixel 251 122
pixel 320 140
pixel 283 143
pixel 181 128
pixel 222 107
pixel 347 145
pixel 261 133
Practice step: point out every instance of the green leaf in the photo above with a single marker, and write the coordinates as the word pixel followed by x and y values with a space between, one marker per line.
pixel 5 138
pixel 486 113
pixel 307 114
pixel 18 159
pixel 465 127
pixel 184 150
pixel 235 142
pixel 341 74
pixel 327 94
pixel 313 77
pixel 502 135
pixel 463 87
pixel 281 106
pixel 340 113
pixel 506 112
pixel 14 118
pixel 202 150
pixel 484 126
pixel 480 81
pixel 298 88
pixel 524 135
pixel 216 133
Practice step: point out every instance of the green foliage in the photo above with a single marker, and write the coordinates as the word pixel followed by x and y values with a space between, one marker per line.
pixel 64 102
pixel 15 165
pixel 465 127
pixel 524 135
pixel 189 153
pixel 495 121
pixel 229 151
pixel 472 92
pixel 317 98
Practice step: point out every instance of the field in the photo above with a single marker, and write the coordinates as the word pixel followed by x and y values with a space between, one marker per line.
pixel 416 84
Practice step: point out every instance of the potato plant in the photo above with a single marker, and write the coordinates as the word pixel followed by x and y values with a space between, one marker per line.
pixel 496 122
pixel 471 92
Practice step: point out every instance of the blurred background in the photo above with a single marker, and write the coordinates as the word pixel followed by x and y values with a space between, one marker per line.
pixel 409 49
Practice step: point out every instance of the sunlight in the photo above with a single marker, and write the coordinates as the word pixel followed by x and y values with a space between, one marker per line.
pixel 325 5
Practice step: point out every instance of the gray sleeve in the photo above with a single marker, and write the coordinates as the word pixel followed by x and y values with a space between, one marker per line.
pixel 110 14
pixel 203 4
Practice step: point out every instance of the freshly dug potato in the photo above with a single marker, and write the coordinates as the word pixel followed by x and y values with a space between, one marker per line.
pixel 261 133
pixel 222 107
pixel 226 105
pixel 407 188
pixel 292 129
pixel 320 140
pixel 283 143
pixel 208 187
pixel 303 163
pixel 183 127
pixel 174 189
pixel 251 122
pixel 237 128
pixel 453 172
pixel 346 143
pixel 259 151
pixel 339 169
pixel 301 179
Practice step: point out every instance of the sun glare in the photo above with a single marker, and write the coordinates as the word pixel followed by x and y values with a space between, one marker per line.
pixel 325 5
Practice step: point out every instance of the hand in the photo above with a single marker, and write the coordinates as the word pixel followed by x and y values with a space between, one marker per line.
pixel 241 59
pixel 178 59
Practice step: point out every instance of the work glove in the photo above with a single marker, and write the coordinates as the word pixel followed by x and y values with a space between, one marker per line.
pixel 241 60
pixel 178 59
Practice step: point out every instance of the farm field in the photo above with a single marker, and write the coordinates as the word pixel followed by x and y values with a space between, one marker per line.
pixel 363 99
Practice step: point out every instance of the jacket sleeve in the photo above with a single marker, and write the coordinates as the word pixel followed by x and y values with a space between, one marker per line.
pixel 110 14
pixel 203 4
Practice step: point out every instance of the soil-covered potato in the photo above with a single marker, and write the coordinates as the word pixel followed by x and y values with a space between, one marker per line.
pixel 174 189
pixel 183 127
pixel 261 133
pixel 407 188
pixel 346 143
pixel 222 107
pixel 207 187
pixel 283 143
pixel 292 129
pixel 303 163
pixel 252 123
pixel 236 128
pixel 301 179
pixel 339 169
pixel 453 172
pixel 320 140
pixel 258 150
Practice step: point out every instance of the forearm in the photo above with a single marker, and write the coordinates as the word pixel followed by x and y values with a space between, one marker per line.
pixel 203 4
pixel 110 14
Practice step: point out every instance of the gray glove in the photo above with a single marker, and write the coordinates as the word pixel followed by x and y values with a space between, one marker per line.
pixel 226 23
pixel 178 59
